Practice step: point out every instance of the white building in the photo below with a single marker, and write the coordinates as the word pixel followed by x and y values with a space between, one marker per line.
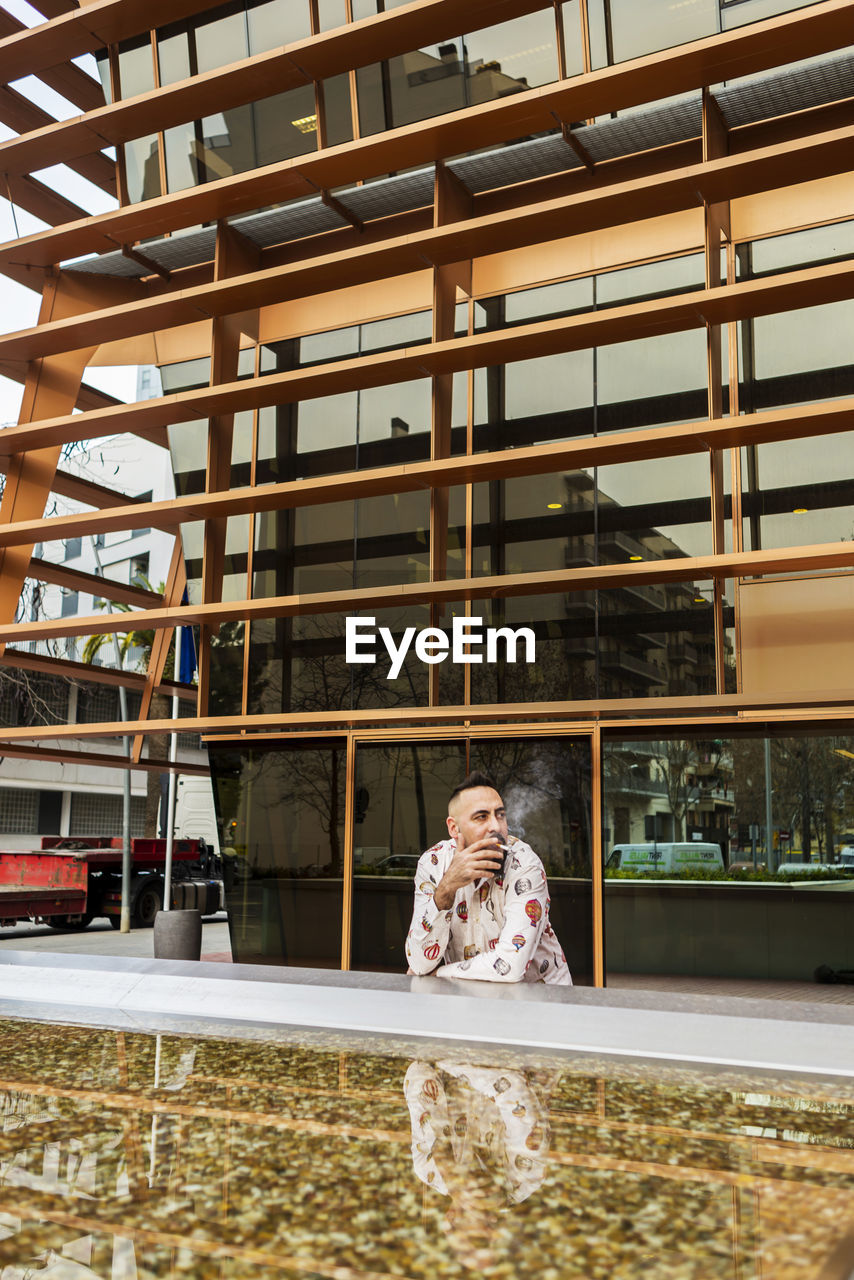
pixel 51 798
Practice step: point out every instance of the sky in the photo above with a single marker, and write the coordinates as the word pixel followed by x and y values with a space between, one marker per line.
pixel 19 307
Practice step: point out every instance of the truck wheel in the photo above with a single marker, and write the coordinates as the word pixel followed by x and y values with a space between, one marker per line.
pixel 71 924
pixel 146 906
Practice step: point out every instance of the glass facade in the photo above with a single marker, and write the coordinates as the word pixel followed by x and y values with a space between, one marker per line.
pixel 535 376
pixel 458 72
pixel 728 857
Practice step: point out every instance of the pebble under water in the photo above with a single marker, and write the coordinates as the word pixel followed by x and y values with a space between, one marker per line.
pixel 305 1155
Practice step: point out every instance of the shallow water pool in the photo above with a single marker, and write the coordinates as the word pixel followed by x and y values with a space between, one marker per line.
pixel 135 1155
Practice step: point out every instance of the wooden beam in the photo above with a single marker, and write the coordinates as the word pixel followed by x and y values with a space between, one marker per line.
pixel 835 556
pixel 66 78
pixel 65 669
pixel 22 115
pixel 234 256
pixel 786 292
pixel 714 180
pixel 813 708
pixel 108 21
pixel 94 584
pixel 50 385
pixel 173 593
pixel 799 422
pixel 99 760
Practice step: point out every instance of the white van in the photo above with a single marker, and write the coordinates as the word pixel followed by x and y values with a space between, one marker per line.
pixel 665 856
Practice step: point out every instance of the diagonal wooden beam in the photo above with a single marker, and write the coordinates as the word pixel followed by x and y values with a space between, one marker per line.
pixel 61 575
pixel 104 22
pixel 22 115
pixel 234 256
pixel 46 664
pixel 173 593
pixel 63 76
pixel 50 385
pixel 99 759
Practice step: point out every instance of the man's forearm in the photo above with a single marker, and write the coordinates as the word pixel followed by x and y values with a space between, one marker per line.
pixel 444 895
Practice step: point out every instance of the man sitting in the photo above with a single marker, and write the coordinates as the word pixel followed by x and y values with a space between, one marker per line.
pixel 481 899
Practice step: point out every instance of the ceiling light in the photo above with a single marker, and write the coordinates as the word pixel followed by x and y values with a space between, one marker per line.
pixel 636 557
pixel 307 124
pixel 800 511
pixel 555 506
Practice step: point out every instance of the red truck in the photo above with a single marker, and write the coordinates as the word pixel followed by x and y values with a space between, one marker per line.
pixel 71 880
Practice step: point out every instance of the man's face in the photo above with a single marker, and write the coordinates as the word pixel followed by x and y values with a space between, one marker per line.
pixel 475 814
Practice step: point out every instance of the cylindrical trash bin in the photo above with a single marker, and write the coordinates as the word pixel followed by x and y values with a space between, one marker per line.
pixel 178 935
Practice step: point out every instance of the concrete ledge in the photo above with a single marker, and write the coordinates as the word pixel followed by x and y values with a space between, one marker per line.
pixel 246 1000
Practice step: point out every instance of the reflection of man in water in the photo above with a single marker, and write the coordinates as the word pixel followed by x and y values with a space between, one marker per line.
pixel 481 899
pixel 480 1135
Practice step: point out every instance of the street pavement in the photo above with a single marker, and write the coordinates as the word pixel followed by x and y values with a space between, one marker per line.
pixel 100 939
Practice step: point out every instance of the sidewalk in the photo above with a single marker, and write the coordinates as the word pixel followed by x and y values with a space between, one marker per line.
pixel 100 939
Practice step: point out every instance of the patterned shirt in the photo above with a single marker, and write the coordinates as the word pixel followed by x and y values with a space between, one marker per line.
pixel 496 930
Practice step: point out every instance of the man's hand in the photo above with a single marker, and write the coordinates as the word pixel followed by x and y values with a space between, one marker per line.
pixel 479 861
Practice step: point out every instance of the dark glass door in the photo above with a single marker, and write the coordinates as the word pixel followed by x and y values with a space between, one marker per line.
pixel 400 805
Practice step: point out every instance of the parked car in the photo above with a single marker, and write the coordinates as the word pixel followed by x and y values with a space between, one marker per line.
pixel 398 864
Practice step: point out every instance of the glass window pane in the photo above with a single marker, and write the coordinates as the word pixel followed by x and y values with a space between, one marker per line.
pixel 193 542
pixel 799 492
pixel 332 13
pixel 227 654
pixel 658 24
pixel 282 817
pixel 173 56
pixel 652 381
pixel 796 357
pixel 656 641
pixel 283 126
pixel 654 510
pixel 564 628
pixel 337 108
pixel 401 795
pixel 738 14
pixel 188 445
pixel 142 167
pixel 830 243
pixel 182 156
pixel 298 664
pixel 227 144
pixel 650 280
pixel 534 523
pixel 687 838
pixel 136 67
pixel 221 40
pixel 511 56
pixel 277 22
pixel 534 401
pixel 572 38
pixel 545 785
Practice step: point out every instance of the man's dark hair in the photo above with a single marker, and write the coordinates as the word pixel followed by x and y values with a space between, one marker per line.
pixel 475 779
